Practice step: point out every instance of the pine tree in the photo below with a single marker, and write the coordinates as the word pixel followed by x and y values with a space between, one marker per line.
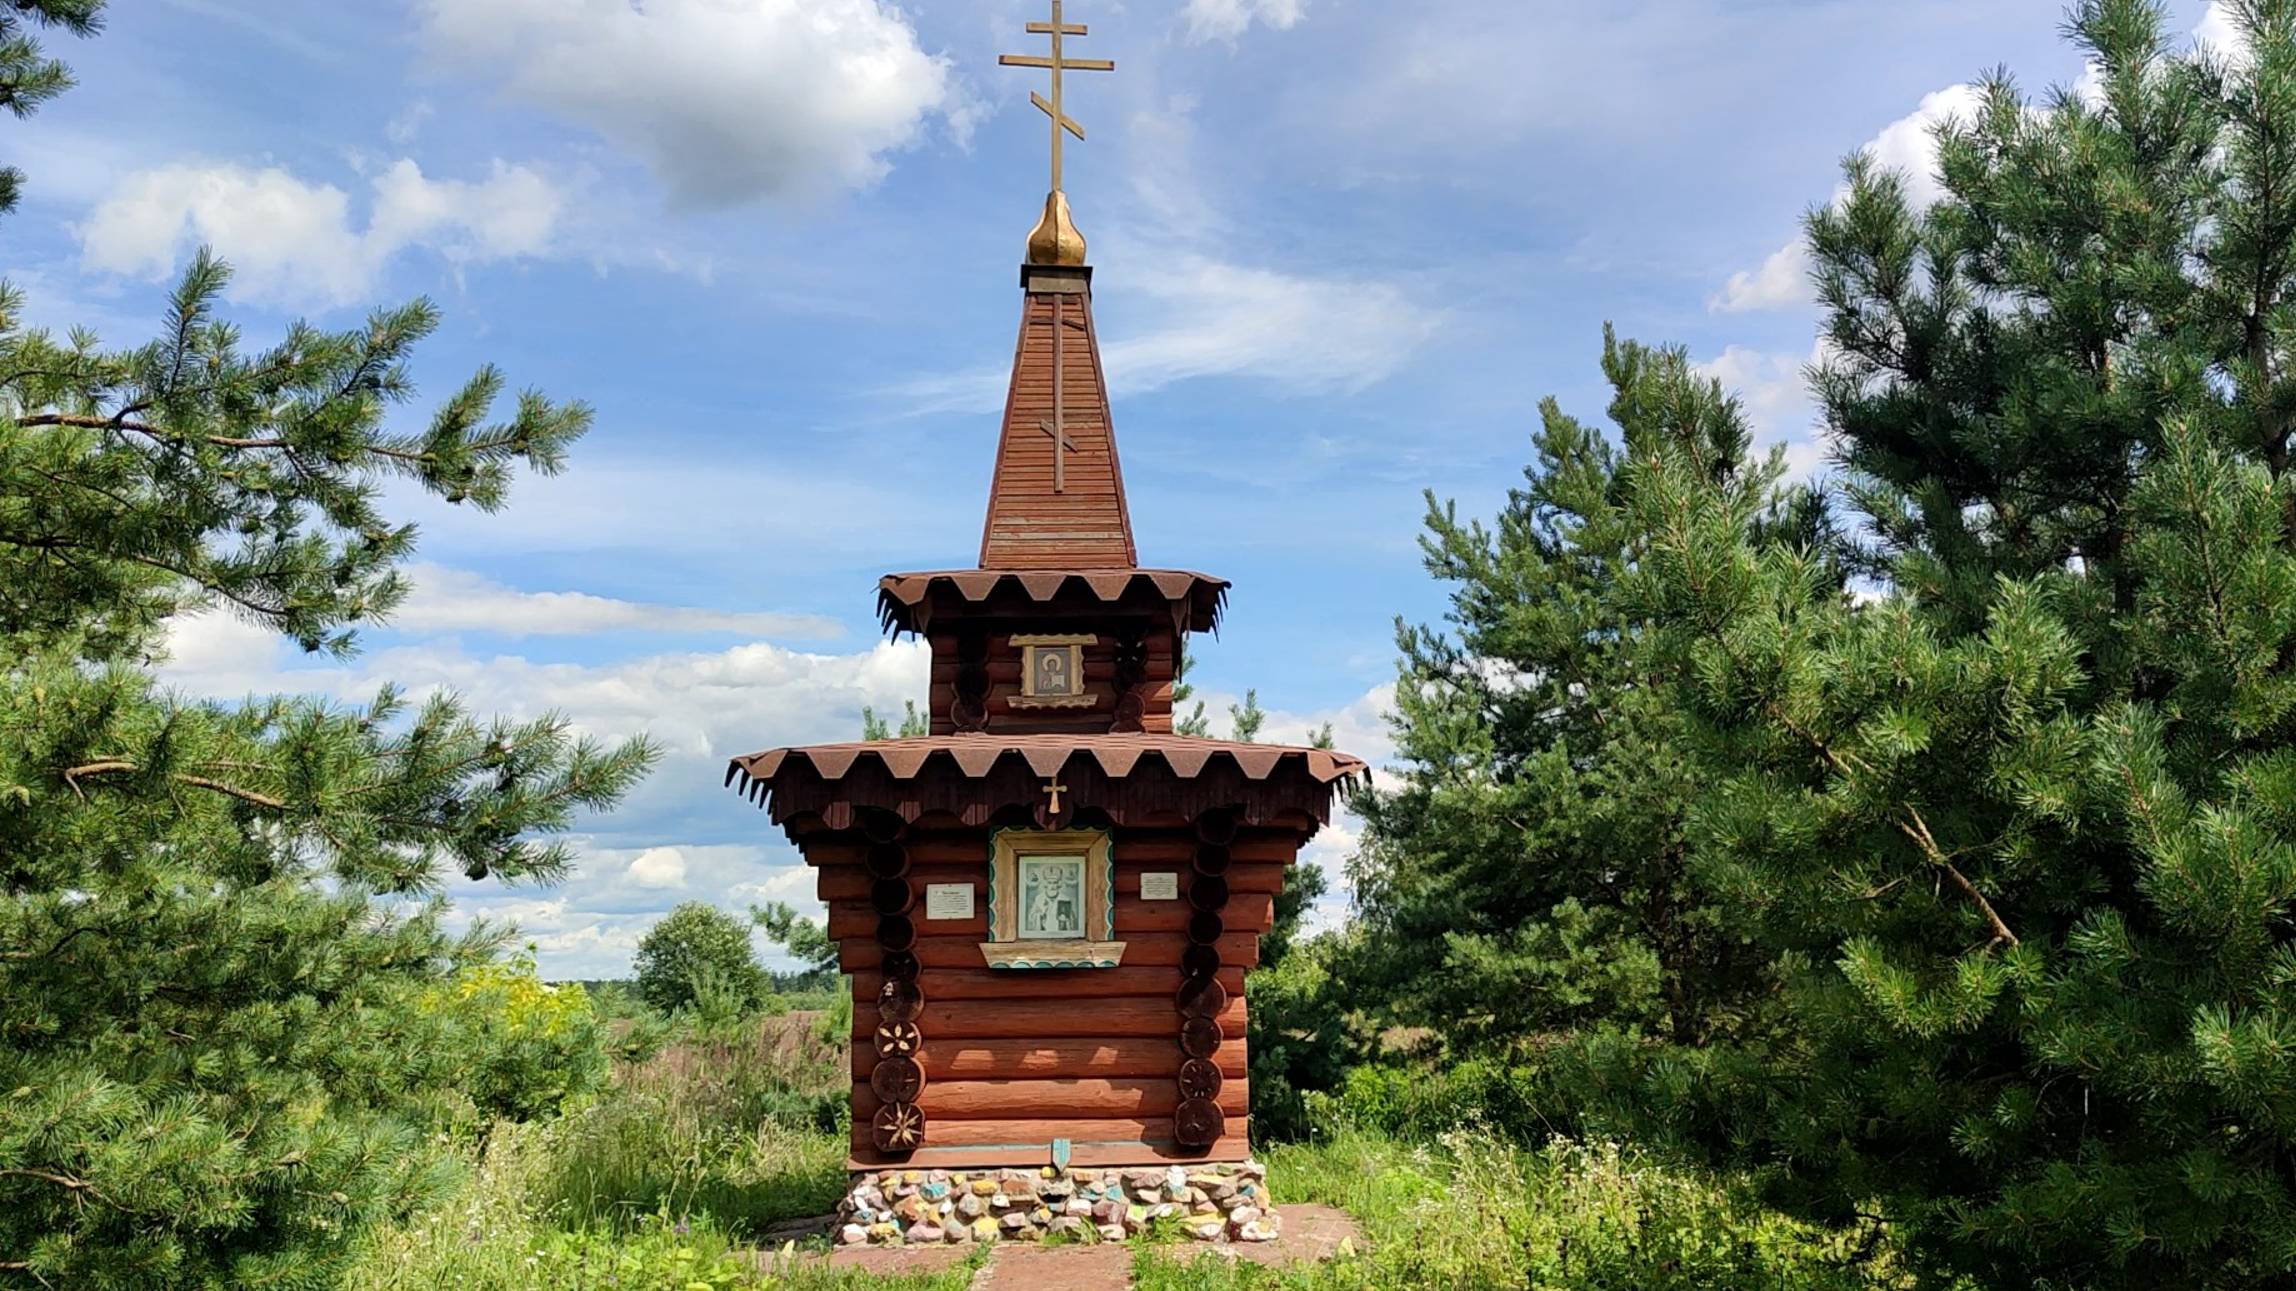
pixel 221 923
pixel 28 76
pixel 1192 721
pixel 1525 877
pixel 913 724
pixel 1246 719
pixel 2018 823
pixel 806 941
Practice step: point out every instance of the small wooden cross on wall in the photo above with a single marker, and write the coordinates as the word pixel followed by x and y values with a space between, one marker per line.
pixel 1062 446
pixel 1057 425
pixel 1054 788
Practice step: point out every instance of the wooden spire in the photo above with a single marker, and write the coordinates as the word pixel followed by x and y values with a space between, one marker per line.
pixel 1057 498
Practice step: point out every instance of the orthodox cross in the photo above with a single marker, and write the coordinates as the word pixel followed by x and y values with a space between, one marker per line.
pixel 1058 63
pixel 1057 109
pixel 1054 788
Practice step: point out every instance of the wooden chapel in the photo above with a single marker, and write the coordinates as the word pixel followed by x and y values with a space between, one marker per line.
pixel 1048 904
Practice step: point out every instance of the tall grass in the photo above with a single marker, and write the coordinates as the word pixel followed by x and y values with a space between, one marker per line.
pixel 1474 1212
pixel 745 1125
pixel 500 1234
pixel 662 1183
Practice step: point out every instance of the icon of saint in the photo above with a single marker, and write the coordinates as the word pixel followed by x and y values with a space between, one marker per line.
pixel 1052 677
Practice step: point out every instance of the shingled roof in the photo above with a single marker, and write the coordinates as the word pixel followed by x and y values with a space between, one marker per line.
pixel 1131 775
pixel 1118 756
pixel 1056 500
pixel 905 601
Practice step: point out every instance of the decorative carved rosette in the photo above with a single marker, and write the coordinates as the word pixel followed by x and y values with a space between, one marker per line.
pixel 1198 1123
pixel 1201 1038
pixel 899 1040
pixel 1201 997
pixel 899 1129
pixel 897 1078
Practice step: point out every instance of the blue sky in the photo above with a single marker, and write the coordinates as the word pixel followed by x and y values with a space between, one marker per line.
pixel 1343 248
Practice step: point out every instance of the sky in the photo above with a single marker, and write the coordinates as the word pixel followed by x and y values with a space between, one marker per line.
pixel 1343 248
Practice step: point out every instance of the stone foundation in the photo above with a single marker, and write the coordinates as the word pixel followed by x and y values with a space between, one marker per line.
pixel 1211 1203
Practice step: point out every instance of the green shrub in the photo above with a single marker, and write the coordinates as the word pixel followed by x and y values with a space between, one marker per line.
pixel 1301 1040
pixel 692 947
pixel 1413 1102
pixel 532 1048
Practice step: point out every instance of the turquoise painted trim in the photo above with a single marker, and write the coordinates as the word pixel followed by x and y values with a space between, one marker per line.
pixel 1108 910
pixel 992 864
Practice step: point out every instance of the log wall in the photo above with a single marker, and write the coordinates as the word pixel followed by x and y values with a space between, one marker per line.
pixel 1013 1059
pixel 1003 666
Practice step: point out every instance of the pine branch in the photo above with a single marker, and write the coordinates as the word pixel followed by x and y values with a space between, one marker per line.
pixel 146 429
pixel 74 775
pixel 1917 829
pixel 1846 765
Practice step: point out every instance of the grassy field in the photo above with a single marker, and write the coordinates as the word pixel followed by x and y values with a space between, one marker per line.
pixel 671 1180
pixel 675 1179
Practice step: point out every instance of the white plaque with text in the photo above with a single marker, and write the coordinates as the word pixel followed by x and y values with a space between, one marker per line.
pixel 948 901
pixel 1160 887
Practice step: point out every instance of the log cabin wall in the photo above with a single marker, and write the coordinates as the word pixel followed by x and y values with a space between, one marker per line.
pixel 1015 1059
pixel 1000 662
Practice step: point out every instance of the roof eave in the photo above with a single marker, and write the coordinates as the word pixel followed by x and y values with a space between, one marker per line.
pixel 904 601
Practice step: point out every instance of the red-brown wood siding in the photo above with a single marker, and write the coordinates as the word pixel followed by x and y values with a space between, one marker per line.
pixel 1016 1059
pixel 1084 525
pixel 1004 662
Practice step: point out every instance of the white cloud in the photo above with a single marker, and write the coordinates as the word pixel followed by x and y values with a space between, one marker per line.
pixel 1330 850
pixel 1228 19
pixel 700 706
pixel 293 242
pixel 681 825
pixel 2218 32
pixel 454 600
pixel 1782 280
pixel 1305 332
pixel 1774 393
pixel 725 100
pixel 659 867
pixel 1209 313
pixel 1908 146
